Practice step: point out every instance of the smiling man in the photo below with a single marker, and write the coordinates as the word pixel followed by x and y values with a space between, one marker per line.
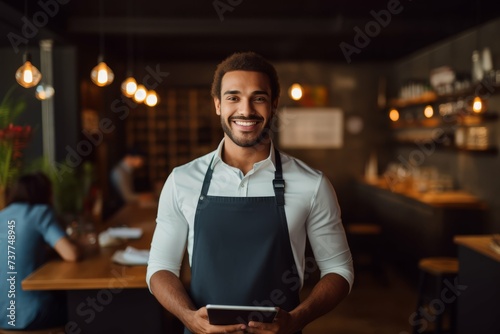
pixel 244 212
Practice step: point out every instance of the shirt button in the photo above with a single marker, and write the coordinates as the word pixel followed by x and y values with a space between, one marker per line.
pixel 242 185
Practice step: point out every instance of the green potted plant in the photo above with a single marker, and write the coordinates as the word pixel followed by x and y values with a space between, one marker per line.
pixel 13 139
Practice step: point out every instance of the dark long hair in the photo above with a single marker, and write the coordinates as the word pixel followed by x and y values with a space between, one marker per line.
pixel 34 188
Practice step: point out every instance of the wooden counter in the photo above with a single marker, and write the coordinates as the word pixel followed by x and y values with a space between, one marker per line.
pixel 417 225
pixel 97 271
pixel 446 199
pixel 478 287
pixel 481 244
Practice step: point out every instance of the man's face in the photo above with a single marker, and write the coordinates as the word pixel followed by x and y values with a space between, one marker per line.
pixel 246 107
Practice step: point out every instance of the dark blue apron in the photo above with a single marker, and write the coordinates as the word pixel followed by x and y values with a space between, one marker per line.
pixel 242 253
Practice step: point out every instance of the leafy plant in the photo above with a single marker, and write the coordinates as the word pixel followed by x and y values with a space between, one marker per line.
pixel 13 138
pixel 10 108
pixel 71 186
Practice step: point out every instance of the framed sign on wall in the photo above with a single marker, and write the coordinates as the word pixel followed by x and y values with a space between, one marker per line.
pixel 311 128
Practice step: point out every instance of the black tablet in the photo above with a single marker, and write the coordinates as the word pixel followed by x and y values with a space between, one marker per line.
pixel 231 315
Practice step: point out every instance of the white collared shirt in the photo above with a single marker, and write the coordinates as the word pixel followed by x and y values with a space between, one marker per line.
pixel 311 208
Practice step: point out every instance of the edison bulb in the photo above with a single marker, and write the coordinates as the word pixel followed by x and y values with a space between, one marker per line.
pixel 151 98
pixel 477 105
pixel 295 91
pixel 428 111
pixel 129 86
pixel 394 115
pixel 140 94
pixel 102 75
pixel 28 75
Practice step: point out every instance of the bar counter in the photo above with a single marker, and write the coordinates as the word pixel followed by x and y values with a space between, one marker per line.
pixel 417 225
pixel 478 285
pixel 444 199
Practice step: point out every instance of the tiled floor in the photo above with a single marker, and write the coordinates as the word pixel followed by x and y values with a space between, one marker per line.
pixel 373 307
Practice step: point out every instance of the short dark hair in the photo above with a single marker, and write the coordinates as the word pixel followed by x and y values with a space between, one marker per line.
pixel 35 188
pixel 246 61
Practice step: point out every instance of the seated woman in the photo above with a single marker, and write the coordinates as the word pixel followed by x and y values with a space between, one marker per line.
pixel 27 224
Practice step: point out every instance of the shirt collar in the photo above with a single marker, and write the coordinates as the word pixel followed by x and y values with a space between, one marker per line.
pixel 218 156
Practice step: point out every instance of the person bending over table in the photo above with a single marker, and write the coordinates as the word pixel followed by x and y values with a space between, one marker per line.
pixel 27 225
pixel 245 212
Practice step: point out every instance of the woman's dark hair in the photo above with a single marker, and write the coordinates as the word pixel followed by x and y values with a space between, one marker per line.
pixel 246 61
pixel 34 188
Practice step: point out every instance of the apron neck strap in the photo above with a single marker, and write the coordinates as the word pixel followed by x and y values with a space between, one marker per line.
pixel 278 182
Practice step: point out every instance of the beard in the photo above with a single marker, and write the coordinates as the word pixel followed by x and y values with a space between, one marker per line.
pixel 249 140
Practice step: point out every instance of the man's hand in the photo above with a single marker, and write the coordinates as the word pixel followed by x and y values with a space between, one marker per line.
pixel 198 323
pixel 282 324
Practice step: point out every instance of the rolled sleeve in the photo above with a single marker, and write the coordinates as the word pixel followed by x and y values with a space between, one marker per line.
pixel 170 235
pixel 327 235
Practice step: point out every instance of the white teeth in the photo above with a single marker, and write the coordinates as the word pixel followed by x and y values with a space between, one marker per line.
pixel 243 123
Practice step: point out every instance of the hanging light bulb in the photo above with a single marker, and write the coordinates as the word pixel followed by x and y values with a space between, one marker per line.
pixel 129 86
pixel 477 105
pixel 295 91
pixel 44 91
pixel 101 74
pixel 140 94
pixel 428 111
pixel 394 115
pixel 151 98
pixel 28 75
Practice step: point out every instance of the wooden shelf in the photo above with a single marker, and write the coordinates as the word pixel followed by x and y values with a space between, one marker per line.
pixel 432 97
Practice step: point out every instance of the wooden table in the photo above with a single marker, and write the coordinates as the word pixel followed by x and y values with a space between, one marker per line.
pixel 97 271
pixel 479 285
pixel 105 297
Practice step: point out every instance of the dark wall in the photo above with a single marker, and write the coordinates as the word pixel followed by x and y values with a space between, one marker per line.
pixel 66 115
pixel 474 172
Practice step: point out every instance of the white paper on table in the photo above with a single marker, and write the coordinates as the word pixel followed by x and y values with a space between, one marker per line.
pixel 125 232
pixel 131 256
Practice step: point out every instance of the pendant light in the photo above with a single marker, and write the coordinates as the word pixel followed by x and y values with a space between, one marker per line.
pixel 27 75
pixel 129 86
pixel 151 98
pixel 101 74
pixel 295 91
pixel 140 94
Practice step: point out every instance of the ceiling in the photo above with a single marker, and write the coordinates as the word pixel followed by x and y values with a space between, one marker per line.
pixel 280 30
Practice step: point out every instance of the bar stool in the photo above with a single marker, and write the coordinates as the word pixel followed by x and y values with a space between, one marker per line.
pixel 55 330
pixel 443 271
